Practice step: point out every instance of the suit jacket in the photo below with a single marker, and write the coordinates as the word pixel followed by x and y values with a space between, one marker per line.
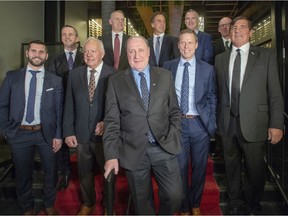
pixel 127 123
pixel 59 65
pixel 205 92
pixel 261 102
pixel 109 53
pixel 205 50
pixel 169 50
pixel 219 46
pixel 80 115
pixel 12 104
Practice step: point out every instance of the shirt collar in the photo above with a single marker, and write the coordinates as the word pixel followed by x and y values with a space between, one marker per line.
pixel 191 61
pixel 160 35
pixel 42 70
pixel 98 68
pixel 145 71
pixel 67 52
pixel 119 34
pixel 245 48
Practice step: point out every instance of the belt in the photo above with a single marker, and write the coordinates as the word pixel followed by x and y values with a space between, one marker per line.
pixel 189 116
pixel 31 127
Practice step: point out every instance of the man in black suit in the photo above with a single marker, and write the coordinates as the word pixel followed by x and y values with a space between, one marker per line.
pixel 142 130
pixel 118 61
pixel 31 101
pixel 163 47
pixel 83 117
pixel 250 112
pixel 61 64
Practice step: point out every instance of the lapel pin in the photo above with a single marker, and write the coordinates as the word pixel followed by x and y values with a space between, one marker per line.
pixel 252 53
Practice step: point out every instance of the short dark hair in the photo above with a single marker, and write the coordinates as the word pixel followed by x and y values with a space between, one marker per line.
pixel 241 18
pixel 188 31
pixel 37 42
pixel 70 26
pixel 156 14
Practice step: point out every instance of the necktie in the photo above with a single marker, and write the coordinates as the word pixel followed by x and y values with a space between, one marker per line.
pixel 235 89
pixel 92 84
pixel 145 98
pixel 226 45
pixel 185 90
pixel 70 61
pixel 116 51
pixel 157 49
pixel 31 97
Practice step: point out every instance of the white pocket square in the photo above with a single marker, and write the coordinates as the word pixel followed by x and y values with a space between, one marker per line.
pixel 50 89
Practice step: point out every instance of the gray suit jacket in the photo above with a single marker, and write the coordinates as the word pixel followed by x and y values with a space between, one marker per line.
pixel 127 123
pixel 261 103
pixel 81 116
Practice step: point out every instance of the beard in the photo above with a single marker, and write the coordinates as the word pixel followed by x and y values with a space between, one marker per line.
pixel 36 63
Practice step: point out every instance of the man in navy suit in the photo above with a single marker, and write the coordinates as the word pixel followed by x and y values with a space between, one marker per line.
pixel 204 50
pixel 197 100
pixel 83 117
pixel 116 21
pixel 30 119
pixel 61 64
pixel 167 45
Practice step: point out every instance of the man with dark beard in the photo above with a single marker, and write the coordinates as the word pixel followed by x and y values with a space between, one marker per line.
pixel 30 119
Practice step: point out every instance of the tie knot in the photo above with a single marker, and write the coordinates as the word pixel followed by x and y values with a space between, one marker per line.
pixel 186 64
pixel 92 71
pixel 141 74
pixel 238 51
pixel 70 53
pixel 34 72
pixel 116 35
pixel 158 39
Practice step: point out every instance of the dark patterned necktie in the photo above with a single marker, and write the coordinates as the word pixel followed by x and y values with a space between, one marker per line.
pixel 31 97
pixel 92 84
pixel 116 51
pixel 184 103
pixel 235 89
pixel 145 98
pixel 70 61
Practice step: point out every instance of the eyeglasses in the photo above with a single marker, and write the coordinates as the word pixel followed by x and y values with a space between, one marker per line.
pixel 240 27
pixel 226 25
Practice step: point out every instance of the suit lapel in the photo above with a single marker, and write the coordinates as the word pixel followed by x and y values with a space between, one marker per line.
pixel 122 55
pixel 21 86
pixel 226 60
pixel 154 77
pixel 152 49
pixel 252 56
pixel 84 81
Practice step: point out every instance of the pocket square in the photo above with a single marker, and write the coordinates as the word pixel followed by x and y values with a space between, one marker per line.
pixel 50 89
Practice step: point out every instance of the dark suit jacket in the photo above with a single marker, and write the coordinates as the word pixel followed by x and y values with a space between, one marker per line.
pixel 205 50
pixel 81 116
pixel 205 92
pixel 169 50
pixel 58 64
pixel 261 103
pixel 219 46
pixel 127 123
pixel 109 54
pixel 12 104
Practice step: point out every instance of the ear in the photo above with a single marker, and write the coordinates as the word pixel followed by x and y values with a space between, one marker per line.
pixel 27 53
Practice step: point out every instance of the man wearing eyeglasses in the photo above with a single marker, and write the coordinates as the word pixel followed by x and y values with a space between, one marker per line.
pixel 223 43
pixel 250 112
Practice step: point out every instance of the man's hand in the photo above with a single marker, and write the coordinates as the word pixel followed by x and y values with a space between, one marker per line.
pixel 274 135
pixel 99 128
pixel 56 144
pixel 71 141
pixel 110 165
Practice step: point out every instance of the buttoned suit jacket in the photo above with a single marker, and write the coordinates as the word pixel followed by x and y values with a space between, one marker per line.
pixel 261 102
pixel 109 53
pixel 219 46
pixel 205 92
pixel 12 104
pixel 169 50
pixel 127 123
pixel 80 115
pixel 205 50
pixel 59 65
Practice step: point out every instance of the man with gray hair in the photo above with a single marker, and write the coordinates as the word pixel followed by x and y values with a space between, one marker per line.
pixel 83 117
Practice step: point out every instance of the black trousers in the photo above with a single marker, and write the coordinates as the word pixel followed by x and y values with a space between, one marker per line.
pixel 64 165
pixel 238 150
pixel 166 171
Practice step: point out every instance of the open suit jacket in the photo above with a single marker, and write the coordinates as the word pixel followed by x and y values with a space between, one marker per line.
pixel 12 104
pixel 109 53
pixel 219 46
pixel 205 50
pixel 205 92
pixel 80 115
pixel 59 65
pixel 261 102
pixel 169 50
pixel 127 123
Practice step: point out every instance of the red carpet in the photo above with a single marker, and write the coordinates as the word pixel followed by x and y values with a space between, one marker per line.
pixel 68 203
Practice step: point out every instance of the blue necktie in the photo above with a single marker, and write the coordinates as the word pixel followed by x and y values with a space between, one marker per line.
pixel 157 50
pixel 145 98
pixel 235 88
pixel 31 97
pixel 70 61
pixel 185 90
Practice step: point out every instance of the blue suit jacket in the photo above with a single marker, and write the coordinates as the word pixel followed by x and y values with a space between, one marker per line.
pixel 205 50
pixel 12 104
pixel 205 91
